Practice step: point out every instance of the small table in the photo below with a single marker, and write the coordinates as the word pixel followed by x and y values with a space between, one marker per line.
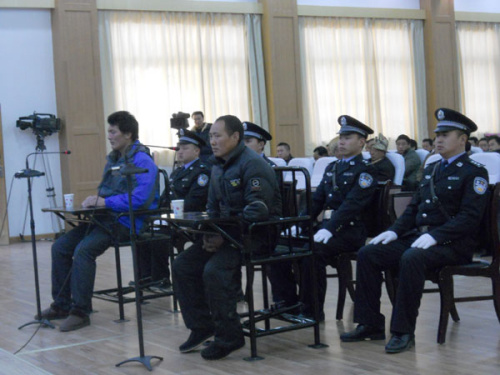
pixel 83 214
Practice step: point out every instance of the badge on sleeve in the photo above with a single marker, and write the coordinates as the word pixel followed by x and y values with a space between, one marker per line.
pixel 480 185
pixel 365 180
pixel 202 180
pixel 255 184
pixel 235 182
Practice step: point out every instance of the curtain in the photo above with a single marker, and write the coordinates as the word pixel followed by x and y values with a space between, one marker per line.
pixel 479 69
pixel 157 63
pixel 373 70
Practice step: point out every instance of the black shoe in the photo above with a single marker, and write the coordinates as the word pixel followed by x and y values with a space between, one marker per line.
pixel 74 322
pixel 163 286
pixel 363 332
pixel 52 313
pixel 400 343
pixel 215 351
pixel 195 340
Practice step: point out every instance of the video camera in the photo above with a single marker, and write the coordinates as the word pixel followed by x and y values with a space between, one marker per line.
pixel 179 120
pixel 42 123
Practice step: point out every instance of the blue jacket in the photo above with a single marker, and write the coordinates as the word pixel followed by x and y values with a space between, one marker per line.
pixel 145 193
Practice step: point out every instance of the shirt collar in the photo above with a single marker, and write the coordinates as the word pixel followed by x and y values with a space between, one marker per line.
pixel 186 166
pixel 453 158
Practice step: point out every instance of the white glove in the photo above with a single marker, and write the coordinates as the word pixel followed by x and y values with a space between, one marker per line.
pixel 424 241
pixel 322 235
pixel 294 231
pixel 384 237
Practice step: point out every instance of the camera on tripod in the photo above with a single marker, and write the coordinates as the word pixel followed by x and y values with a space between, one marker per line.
pixel 179 120
pixel 42 123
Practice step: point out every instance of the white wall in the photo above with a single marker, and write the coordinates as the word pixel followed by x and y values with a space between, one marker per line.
pixel 395 4
pixel 27 85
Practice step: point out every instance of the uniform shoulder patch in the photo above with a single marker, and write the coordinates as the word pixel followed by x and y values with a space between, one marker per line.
pixel 202 179
pixel 477 164
pixel 365 180
pixel 480 185
pixel 255 184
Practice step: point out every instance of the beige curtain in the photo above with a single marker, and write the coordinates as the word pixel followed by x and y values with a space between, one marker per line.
pixel 157 63
pixel 479 66
pixel 373 70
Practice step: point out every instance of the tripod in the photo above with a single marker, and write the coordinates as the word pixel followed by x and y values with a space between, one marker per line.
pixel 28 174
pixel 49 185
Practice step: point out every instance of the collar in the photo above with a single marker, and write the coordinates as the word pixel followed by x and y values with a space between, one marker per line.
pixel 453 158
pixel 186 166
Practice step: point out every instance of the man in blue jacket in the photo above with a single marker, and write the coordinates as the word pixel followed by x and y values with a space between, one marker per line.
pixel 74 254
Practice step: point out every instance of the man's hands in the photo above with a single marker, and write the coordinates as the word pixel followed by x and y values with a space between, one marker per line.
pixel 94 201
pixel 322 235
pixel 424 241
pixel 384 237
pixel 212 243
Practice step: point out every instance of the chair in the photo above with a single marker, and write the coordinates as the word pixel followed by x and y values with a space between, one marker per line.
pixel 366 155
pixel 422 154
pixel 289 249
pixel 476 150
pixel 278 161
pixel 300 178
pixel 432 159
pixel 491 161
pixel 399 165
pixel 319 170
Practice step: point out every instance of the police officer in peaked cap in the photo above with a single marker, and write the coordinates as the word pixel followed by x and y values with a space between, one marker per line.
pixel 438 228
pixel 256 139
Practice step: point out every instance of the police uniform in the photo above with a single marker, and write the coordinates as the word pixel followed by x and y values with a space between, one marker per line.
pixel 207 283
pixel 346 190
pixel 448 206
pixel 204 134
pixel 252 130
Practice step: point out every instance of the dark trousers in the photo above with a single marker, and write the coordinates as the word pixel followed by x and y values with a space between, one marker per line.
pixel 75 252
pixel 344 241
pixel 207 286
pixel 413 265
pixel 154 259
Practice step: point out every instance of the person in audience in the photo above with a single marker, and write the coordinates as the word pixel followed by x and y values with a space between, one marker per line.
pixel 369 144
pixel 483 144
pixel 345 191
pixel 494 143
pixel 256 139
pixel 333 148
pixel 206 274
pixel 384 169
pixel 283 152
pixel 202 129
pixel 439 227
pixel 474 141
pixel 74 254
pixel 413 144
pixel 412 161
pixel 320 152
pixel 428 145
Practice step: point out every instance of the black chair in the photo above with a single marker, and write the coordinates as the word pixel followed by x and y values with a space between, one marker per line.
pixel 289 249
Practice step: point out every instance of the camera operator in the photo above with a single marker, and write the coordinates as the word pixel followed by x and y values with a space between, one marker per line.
pixel 202 129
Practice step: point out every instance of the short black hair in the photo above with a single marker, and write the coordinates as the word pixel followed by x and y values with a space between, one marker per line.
pixel 495 137
pixel 197 113
pixel 321 150
pixel 483 139
pixel 413 143
pixel 404 137
pixel 232 124
pixel 285 145
pixel 429 141
pixel 473 139
pixel 126 122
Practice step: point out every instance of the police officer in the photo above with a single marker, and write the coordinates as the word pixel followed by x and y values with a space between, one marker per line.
pixel 344 193
pixel 206 275
pixel 256 139
pixel 438 228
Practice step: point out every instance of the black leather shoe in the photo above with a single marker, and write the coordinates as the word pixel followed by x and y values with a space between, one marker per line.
pixel 215 351
pixel 400 343
pixel 195 340
pixel 363 332
pixel 52 313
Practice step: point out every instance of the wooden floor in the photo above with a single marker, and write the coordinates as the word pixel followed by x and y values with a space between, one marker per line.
pixel 472 347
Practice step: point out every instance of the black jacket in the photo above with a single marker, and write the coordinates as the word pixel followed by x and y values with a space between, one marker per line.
pixel 191 184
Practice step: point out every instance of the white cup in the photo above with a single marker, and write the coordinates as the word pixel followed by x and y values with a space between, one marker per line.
pixel 68 200
pixel 178 206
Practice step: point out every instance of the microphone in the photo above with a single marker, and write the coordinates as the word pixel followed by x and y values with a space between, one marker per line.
pixel 65 152
pixel 165 147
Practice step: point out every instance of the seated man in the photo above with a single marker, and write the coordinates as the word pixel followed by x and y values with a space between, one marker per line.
pixel 494 143
pixel 438 228
pixel 189 182
pixel 384 169
pixel 207 275
pixel 320 152
pixel 283 152
pixel 346 190
pixel 74 254
pixel 412 162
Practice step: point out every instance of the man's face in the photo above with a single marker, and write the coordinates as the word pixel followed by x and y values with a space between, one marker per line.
pixel 450 143
pixel 426 146
pixel 198 121
pixel 254 144
pixel 376 154
pixel 282 152
pixel 484 145
pixel 222 143
pixel 187 153
pixel 350 144
pixel 402 146
pixel 369 144
pixel 493 145
pixel 119 141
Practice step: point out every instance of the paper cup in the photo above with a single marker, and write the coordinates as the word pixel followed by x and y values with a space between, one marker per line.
pixel 68 200
pixel 178 206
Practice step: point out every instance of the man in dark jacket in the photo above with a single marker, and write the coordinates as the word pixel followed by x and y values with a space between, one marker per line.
pixel 438 228
pixel 75 252
pixel 206 276
pixel 383 166
pixel 202 129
